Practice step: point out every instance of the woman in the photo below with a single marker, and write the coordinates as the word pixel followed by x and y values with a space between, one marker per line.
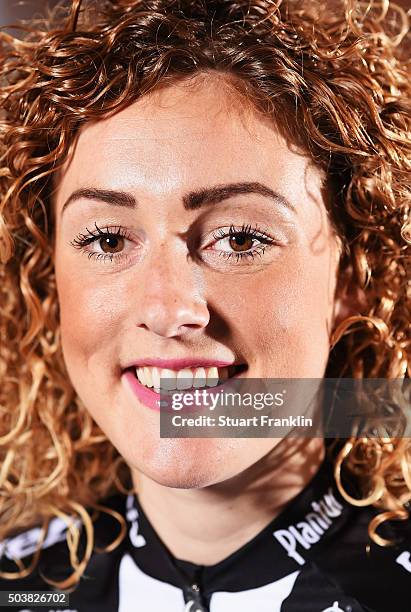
pixel 199 191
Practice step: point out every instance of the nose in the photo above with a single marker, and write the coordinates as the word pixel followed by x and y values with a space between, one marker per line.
pixel 172 303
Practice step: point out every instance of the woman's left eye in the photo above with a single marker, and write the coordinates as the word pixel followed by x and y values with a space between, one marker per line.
pixel 109 243
pixel 240 243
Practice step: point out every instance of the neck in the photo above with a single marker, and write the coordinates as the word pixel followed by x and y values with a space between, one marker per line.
pixel 206 525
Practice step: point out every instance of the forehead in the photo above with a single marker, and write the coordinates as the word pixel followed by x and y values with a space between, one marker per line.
pixel 184 133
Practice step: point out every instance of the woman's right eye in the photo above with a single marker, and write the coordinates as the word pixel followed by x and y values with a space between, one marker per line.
pixel 109 243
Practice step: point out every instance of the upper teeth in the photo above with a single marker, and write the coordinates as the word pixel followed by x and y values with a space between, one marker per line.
pixel 181 379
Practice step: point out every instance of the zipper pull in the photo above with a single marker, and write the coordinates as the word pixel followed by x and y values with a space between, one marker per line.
pixel 194 603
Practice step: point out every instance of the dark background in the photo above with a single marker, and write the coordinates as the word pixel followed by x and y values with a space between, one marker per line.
pixel 10 10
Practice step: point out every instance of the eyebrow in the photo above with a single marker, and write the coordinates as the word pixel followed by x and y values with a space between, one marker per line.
pixel 192 201
pixel 115 198
pixel 213 195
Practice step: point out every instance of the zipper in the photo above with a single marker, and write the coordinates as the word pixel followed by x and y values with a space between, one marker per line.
pixel 194 603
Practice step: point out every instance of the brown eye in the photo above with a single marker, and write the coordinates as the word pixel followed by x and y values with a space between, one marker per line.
pixel 112 244
pixel 241 242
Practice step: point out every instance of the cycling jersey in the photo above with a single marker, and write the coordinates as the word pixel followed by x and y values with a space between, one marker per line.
pixel 314 557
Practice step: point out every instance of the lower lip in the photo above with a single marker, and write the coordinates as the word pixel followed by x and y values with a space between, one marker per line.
pixel 151 399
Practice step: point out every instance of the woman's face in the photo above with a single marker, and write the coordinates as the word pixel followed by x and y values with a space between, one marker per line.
pixel 168 177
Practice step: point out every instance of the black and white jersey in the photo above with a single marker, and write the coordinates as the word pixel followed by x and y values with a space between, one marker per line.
pixel 315 556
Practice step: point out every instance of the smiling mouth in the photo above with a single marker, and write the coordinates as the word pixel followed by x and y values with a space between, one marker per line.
pixel 163 380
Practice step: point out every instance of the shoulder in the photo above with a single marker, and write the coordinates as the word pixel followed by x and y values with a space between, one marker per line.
pixel 378 576
pixel 25 543
pixel 54 553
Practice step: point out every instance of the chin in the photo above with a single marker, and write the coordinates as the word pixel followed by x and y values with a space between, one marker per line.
pixel 173 476
pixel 183 463
pixel 179 481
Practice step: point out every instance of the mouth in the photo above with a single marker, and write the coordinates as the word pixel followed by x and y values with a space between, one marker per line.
pixel 166 381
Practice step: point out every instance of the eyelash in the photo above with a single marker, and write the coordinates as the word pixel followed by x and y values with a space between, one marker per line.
pixel 253 233
pixel 81 241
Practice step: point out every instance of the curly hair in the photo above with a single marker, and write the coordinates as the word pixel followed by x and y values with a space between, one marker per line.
pixel 336 81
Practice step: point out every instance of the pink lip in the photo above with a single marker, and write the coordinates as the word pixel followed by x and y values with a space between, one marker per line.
pixel 150 398
pixel 178 364
pixel 146 396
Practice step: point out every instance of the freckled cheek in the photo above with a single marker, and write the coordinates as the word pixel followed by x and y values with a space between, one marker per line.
pixel 89 316
pixel 280 316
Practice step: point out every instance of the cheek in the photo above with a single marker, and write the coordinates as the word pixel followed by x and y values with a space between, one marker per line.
pixel 283 316
pixel 90 317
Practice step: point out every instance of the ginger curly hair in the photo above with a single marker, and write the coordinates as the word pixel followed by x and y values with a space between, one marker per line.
pixel 337 82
